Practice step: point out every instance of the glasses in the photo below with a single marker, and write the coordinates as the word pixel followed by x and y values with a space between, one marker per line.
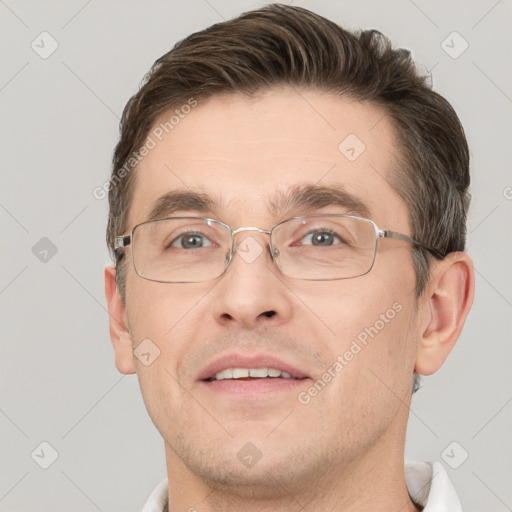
pixel 313 247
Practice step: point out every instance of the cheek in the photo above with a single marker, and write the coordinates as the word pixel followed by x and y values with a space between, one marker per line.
pixel 365 326
pixel 164 319
pixel 354 308
pixel 159 310
pixel 170 319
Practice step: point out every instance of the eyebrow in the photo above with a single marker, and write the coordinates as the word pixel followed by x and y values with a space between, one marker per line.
pixel 307 198
pixel 299 199
pixel 178 200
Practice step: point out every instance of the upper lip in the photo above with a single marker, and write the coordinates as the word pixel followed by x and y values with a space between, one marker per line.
pixel 238 360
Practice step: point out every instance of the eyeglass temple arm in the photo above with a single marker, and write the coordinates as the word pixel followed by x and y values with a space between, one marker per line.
pixel 405 238
pixel 122 241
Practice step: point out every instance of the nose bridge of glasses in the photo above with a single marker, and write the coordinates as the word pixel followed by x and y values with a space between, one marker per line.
pixel 250 228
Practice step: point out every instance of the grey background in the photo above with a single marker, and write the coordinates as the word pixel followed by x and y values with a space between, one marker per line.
pixel 59 119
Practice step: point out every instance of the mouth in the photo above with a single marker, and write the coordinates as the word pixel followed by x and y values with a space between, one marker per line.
pixel 238 374
pixel 251 374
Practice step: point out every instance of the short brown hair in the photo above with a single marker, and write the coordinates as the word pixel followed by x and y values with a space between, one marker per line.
pixel 283 45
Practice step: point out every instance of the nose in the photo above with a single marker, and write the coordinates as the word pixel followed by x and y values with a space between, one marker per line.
pixel 252 292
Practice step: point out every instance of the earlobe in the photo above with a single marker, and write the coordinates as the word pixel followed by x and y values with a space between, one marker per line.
pixel 119 334
pixel 447 301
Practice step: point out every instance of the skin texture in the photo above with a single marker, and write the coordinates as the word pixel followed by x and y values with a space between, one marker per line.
pixel 344 449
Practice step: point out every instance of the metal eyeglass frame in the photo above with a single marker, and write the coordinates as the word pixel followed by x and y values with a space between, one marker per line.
pixel 123 241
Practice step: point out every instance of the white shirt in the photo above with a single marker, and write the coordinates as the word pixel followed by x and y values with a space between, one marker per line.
pixel 428 485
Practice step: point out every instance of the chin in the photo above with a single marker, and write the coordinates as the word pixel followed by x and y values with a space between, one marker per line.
pixel 263 480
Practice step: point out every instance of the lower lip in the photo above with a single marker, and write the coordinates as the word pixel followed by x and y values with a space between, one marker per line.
pixel 251 387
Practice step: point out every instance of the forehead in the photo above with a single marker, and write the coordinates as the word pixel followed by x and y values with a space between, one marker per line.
pixel 248 154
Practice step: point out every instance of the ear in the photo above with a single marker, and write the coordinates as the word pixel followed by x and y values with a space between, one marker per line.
pixel 119 335
pixel 446 302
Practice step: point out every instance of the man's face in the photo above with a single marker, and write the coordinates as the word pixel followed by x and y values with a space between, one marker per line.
pixel 246 154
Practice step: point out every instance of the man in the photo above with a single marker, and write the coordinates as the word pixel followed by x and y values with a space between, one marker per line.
pixel 287 212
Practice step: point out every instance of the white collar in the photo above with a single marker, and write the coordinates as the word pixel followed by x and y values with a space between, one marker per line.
pixel 430 488
pixel 428 485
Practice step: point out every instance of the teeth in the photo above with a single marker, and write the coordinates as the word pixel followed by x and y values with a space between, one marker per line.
pixel 241 373
pixel 225 374
pixel 258 372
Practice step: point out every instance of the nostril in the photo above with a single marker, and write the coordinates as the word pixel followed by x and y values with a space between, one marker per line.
pixel 269 314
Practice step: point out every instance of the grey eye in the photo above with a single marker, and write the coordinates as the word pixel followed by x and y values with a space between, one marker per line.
pixel 321 238
pixel 191 241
